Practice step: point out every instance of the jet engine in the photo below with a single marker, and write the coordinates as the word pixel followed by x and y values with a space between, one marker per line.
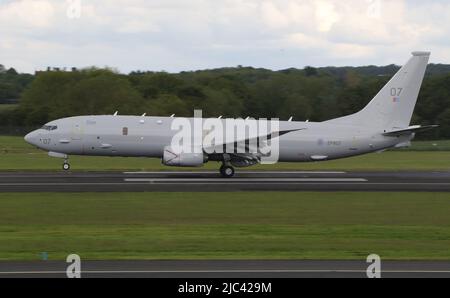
pixel 170 158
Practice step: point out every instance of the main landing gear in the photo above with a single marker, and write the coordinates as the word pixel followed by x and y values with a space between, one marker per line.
pixel 226 171
pixel 66 165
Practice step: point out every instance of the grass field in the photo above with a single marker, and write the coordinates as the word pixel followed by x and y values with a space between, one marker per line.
pixel 438 145
pixel 250 225
pixel 256 225
pixel 15 154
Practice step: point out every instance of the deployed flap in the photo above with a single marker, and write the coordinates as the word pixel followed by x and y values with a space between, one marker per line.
pixel 408 130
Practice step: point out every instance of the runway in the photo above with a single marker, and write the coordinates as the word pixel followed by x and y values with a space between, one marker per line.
pixel 226 269
pixel 207 181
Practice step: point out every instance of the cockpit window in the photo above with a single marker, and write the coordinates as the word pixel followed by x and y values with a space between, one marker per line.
pixel 49 127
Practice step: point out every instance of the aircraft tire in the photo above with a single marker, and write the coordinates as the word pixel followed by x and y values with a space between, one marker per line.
pixel 227 171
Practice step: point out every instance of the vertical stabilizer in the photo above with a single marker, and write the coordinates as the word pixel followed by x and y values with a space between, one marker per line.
pixel 393 106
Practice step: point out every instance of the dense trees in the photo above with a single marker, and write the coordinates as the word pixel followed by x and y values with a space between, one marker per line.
pixel 93 91
pixel 12 84
pixel 434 105
pixel 312 93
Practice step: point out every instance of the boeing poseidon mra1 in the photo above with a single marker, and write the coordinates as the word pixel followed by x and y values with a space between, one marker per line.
pixel 382 124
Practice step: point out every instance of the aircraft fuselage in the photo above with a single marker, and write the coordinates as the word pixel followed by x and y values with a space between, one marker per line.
pixel 136 136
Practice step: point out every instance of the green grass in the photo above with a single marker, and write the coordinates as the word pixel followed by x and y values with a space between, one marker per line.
pixel 256 225
pixel 8 107
pixel 15 155
pixel 438 145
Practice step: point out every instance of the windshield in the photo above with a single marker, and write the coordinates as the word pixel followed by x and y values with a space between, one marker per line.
pixel 49 127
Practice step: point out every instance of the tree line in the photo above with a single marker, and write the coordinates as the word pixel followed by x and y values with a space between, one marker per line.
pixel 12 84
pixel 311 93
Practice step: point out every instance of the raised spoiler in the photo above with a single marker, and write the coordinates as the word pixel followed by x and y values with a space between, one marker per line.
pixel 409 130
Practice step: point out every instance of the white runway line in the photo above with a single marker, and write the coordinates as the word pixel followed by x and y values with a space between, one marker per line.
pixel 242 172
pixel 218 182
pixel 229 182
pixel 173 180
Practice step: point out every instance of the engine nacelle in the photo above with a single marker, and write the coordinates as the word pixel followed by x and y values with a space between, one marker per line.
pixel 182 159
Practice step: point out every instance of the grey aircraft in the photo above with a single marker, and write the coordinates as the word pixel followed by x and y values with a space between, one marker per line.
pixel 384 123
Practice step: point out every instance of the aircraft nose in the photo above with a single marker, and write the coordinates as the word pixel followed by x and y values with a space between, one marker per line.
pixel 31 138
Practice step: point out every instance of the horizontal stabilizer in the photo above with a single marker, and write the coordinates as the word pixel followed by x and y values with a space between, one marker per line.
pixel 409 130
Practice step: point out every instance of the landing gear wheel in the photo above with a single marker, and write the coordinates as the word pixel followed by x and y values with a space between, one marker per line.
pixel 227 171
pixel 66 166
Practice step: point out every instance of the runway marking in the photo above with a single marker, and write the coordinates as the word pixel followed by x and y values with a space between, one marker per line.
pixel 219 183
pixel 222 271
pixel 243 172
pixel 172 180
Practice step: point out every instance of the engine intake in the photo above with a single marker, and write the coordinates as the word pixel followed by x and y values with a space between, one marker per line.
pixel 170 158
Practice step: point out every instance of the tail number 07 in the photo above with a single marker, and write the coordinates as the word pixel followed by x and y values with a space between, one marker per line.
pixel 396 91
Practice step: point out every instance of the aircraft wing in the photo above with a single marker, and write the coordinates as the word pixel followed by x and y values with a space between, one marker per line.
pixel 409 130
pixel 246 141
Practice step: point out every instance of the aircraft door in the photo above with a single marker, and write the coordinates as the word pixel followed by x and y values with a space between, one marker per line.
pixel 76 137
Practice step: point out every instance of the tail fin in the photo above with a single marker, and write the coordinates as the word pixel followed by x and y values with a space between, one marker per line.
pixel 393 106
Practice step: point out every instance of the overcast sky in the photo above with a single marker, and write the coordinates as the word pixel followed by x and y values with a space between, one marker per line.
pixel 175 35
